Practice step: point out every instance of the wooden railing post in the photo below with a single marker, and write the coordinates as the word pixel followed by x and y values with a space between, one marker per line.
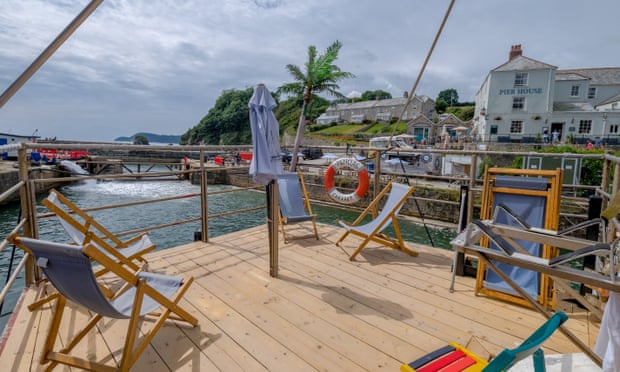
pixel 204 198
pixel 616 185
pixel 605 175
pixel 27 200
pixel 472 185
pixel 377 183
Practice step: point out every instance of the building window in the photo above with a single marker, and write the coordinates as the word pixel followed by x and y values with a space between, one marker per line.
pixel 591 93
pixel 585 126
pixel 520 79
pixel 518 103
pixel 516 126
pixel 574 91
pixel 493 129
pixel 613 128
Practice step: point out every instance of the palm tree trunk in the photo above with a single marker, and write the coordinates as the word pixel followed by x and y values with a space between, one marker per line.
pixel 300 132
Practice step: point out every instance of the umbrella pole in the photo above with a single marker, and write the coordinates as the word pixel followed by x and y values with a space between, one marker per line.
pixel 273 217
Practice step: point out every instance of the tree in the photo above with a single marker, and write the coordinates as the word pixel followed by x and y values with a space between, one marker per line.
pixel 226 123
pixel 440 106
pixel 140 140
pixel 370 95
pixel 450 96
pixel 319 76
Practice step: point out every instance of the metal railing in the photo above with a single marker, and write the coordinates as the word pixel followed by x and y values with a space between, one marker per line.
pixel 27 185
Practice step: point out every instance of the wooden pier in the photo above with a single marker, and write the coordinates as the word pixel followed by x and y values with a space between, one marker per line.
pixel 323 312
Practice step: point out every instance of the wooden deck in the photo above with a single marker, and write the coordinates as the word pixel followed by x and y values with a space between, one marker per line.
pixel 322 313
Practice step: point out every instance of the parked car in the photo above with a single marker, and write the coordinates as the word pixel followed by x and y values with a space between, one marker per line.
pixel 312 153
pixel 287 156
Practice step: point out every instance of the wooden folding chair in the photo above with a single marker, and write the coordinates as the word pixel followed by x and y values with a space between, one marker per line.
pixel 373 230
pixel 535 196
pixel 77 223
pixel 69 269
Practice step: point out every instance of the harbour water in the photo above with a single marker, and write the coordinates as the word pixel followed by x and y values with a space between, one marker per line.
pixel 91 194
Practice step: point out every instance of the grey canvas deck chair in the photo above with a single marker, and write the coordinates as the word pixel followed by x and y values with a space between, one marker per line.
pixel 77 223
pixel 69 269
pixel 610 212
pixel 534 195
pixel 294 203
pixel 373 230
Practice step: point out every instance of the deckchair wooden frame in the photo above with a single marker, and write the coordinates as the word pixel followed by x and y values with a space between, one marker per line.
pixel 376 236
pixel 284 220
pixel 464 243
pixel 552 195
pixel 94 232
pixel 101 236
pixel 131 350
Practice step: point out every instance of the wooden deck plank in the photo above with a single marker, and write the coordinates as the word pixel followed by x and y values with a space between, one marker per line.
pixel 21 354
pixel 323 312
pixel 289 305
pixel 401 286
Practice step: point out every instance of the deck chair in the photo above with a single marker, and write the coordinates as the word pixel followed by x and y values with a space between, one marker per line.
pixel 535 196
pixel 611 211
pixel 68 268
pixel 562 268
pixel 294 203
pixel 373 230
pixel 77 223
pixel 457 358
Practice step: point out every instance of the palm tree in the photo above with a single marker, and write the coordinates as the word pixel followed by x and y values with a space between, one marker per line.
pixel 320 76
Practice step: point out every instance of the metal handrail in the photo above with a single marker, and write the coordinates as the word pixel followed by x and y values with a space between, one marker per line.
pixel 28 184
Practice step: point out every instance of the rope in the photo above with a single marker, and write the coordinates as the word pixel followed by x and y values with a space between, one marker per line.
pixel 409 98
pixel 428 57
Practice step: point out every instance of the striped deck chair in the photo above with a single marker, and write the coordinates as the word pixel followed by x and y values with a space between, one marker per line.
pixel 294 202
pixel 68 268
pixel 373 230
pixel 457 358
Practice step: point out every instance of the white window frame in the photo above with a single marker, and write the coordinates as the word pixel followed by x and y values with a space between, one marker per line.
pixel 516 127
pixel 518 103
pixel 521 79
pixel 585 125
pixel 574 91
pixel 591 92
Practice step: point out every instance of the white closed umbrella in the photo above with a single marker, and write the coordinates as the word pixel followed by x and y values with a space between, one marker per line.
pixel 266 162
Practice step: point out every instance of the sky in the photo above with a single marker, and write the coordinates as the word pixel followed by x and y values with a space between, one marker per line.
pixel 159 65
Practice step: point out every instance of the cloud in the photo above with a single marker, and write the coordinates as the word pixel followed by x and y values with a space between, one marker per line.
pixel 159 66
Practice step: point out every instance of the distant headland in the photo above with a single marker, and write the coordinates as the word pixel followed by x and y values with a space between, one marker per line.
pixel 152 137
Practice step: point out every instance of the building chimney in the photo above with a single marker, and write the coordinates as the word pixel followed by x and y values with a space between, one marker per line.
pixel 406 94
pixel 515 51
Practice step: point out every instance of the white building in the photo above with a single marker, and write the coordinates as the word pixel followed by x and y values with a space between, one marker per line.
pixel 525 100
pixel 10 143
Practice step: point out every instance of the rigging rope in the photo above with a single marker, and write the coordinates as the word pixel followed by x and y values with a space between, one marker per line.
pixel 409 98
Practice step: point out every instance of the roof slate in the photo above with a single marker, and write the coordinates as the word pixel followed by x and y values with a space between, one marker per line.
pixel 520 63
pixel 597 76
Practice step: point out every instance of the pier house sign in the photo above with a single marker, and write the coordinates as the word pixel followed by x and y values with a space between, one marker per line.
pixel 520 91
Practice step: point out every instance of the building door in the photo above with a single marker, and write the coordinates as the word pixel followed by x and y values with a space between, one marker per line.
pixel 557 131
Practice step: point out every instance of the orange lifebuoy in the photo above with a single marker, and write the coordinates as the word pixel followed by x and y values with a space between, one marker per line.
pixel 362 176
